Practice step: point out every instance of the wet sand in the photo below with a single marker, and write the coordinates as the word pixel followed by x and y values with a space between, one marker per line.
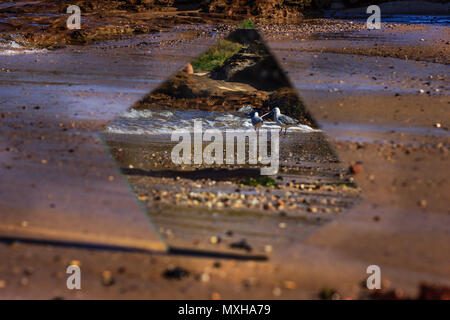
pixel 401 141
pixel 210 207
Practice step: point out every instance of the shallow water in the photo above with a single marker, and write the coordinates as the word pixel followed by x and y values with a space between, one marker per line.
pixel 443 20
pixel 10 47
pixel 165 122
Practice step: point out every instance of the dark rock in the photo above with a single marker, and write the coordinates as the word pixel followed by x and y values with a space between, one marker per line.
pixel 253 65
pixel 243 245
pixel 176 273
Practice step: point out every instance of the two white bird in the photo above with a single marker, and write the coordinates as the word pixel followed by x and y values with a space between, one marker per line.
pixel 282 120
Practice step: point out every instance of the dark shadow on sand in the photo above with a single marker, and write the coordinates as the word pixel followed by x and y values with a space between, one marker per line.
pixel 171 250
pixel 218 174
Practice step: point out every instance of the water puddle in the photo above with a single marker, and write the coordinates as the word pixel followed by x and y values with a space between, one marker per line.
pixel 443 20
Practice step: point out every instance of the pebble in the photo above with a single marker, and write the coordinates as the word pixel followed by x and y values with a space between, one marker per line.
pixel 215 296
pixel 423 203
pixel 107 278
pixel 75 263
pixel 291 285
pixel 276 291
pixel 241 245
pixel 177 273
pixel 356 168
pixel 205 277
pixel 214 240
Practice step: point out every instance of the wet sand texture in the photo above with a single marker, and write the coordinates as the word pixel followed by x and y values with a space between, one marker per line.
pixel 388 114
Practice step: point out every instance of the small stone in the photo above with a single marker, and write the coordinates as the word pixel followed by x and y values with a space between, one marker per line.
pixel 423 203
pixel 75 263
pixel 356 168
pixel 249 282
pixel 437 125
pixel 241 245
pixel 177 273
pixel 107 278
pixel 282 225
pixel 204 277
pixel 214 240
pixel 215 296
pixel 312 209
pixel 2 284
pixel 276 291
pixel 268 248
pixel 188 69
pixel 291 285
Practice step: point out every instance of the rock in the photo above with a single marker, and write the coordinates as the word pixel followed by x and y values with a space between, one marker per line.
pixel 431 292
pixel 215 296
pixel 291 285
pixel 276 291
pixel 188 69
pixel 204 277
pixel 328 294
pixel 243 245
pixel 176 273
pixel 275 10
pixel 248 62
pixel 214 240
pixel 356 168
pixel 107 278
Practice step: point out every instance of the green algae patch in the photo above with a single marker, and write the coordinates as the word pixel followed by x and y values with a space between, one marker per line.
pixel 247 24
pixel 217 55
pixel 259 181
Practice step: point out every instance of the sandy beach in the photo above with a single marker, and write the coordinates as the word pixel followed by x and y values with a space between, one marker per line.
pixel 380 97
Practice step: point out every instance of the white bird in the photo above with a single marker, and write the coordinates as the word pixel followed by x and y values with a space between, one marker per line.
pixel 257 121
pixel 283 120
